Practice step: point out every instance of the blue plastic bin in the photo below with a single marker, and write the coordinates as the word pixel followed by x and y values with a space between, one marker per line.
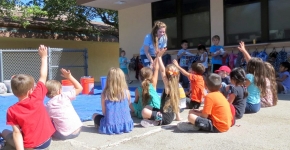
pixel 103 82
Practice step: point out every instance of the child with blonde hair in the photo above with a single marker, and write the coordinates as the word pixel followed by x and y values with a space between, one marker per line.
pixel 255 82
pixel 116 118
pixel 169 99
pixel 146 94
pixel 271 97
pixel 60 109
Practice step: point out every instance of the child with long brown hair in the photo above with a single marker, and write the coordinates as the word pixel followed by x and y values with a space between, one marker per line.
pixel 169 99
pixel 271 98
pixel 146 94
pixel 256 81
pixel 116 117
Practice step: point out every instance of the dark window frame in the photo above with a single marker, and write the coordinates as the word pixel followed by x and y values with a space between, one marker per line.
pixel 265 22
pixel 179 15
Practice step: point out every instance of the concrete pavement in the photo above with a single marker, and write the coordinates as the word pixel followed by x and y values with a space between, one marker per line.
pixel 268 129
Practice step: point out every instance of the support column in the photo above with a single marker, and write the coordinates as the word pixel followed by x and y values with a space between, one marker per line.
pixel 217 19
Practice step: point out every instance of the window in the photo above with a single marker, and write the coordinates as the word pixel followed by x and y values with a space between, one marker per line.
pixel 171 32
pixel 279 19
pixel 185 19
pixel 163 9
pixel 196 28
pixel 244 25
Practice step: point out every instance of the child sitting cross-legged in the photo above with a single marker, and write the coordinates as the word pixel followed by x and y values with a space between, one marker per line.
pixel 169 99
pixel 32 127
pixel 116 118
pixel 60 109
pixel 216 116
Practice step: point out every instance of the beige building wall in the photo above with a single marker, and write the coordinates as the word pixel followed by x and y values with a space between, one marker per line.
pixel 134 24
pixel 217 19
pixel 101 55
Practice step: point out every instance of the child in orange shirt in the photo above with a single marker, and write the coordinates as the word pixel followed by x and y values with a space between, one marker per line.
pixel 216 115
pixel 196 83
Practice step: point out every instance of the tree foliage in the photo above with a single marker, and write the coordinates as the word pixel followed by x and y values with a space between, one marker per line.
pixel 59 14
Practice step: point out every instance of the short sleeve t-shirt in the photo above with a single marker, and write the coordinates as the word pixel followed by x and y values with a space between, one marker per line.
pixel 253 90
pixel 30 115
pixel 185 59
pixel 197 87
pixel 286 82
pixel 63 114
pixel 239 102
pixel 123 62
pixel 162 43
pixel 219 111
pixel 216 59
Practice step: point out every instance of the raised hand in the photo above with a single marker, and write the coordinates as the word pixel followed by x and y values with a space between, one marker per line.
pixel 161 52
pixel 242 46
pixel 175 62
pixel 65 73
pixel 42 51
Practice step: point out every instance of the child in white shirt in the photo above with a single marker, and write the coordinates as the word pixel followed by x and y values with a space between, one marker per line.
pixel 60 109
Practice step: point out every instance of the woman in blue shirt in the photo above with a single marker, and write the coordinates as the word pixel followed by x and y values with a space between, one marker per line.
pixel 153 41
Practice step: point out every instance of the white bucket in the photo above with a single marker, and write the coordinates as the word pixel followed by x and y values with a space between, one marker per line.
pixel 67 88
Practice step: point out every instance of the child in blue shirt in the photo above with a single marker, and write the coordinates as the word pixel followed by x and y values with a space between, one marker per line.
pixel 255 81
pixel 184 57
pixel 217 53
pixel 123 65
pixel 283 80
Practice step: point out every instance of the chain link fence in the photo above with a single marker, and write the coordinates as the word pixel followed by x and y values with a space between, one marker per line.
pixel 27 61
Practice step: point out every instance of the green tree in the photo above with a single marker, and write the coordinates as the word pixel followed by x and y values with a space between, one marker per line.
pixel 59 15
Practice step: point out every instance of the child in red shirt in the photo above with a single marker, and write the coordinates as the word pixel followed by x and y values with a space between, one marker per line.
pixel 32 127
pixel 196 83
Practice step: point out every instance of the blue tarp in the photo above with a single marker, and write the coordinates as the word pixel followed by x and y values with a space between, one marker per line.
pixel 85 105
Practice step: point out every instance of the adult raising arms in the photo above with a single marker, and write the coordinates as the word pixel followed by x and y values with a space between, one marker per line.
pixel 154 41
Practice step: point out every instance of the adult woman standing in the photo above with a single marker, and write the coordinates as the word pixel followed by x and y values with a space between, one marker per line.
pixel 153 42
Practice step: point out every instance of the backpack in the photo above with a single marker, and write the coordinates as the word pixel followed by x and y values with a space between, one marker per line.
pixel 132 64
pixel 281 57
pixel 263 55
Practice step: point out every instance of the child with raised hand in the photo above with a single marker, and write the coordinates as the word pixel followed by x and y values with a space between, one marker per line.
pixel 196 83
pixel 32 127
pixel 116 118
pixel 283 80
pixel 169 99
pixel 238 92
pixel 60 109
pixel 256 81
pixel 216 115
pixel 271 97
pixel 146 94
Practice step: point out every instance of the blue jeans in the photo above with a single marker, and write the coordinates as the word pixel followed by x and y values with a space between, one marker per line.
pixel 145 61
pixel 252 108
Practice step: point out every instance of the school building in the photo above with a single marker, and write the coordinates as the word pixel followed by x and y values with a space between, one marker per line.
pixel 265 22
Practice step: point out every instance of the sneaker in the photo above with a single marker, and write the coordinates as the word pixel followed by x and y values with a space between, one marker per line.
pixel 2 144
pixel 149 123
pixel 187 126
pixel 158 116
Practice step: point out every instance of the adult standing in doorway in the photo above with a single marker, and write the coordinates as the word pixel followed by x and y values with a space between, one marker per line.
pixel 154 41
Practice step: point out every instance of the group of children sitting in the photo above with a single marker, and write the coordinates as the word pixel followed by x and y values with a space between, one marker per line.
pixel 35 124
